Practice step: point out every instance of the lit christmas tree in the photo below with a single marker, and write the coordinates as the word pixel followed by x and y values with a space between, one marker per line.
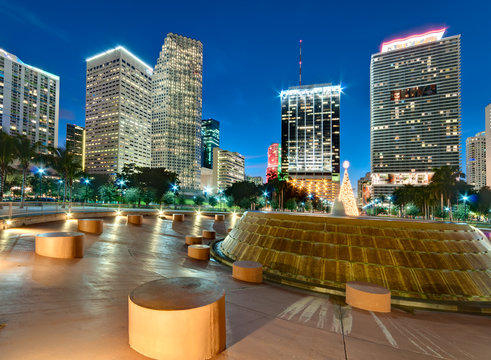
pixel 346 194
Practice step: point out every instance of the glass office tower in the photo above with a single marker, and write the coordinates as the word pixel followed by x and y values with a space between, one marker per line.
pixel 310 138
pixel 210 131
pixel 414 109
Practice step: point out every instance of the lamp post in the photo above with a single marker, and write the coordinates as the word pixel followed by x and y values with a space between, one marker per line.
pixel 390 200
pixel 174 189
pixel 220 194
pixel 41 171
pixel 86 181
pixel 121 182
pixel 465 198
pixel 265 194
pixel 59 189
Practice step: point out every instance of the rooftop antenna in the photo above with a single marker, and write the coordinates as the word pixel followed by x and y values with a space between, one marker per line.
pixel 300 65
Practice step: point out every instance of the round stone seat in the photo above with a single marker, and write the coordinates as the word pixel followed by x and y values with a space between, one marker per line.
pixel 177 318
pixel 199 252
pixel 62 245
pixel 177 217
pixel 219 217
pixel 249 271
pixel 366 296
pixel 92 226
pixel 191 240
pixel 135 219
pixel 208 234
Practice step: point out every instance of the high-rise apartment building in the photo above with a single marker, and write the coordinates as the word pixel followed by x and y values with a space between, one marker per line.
pixel 176 116
pixel 310 138
pixel 414 109
pixel 210 132
pixel 487 117
pixel 228 167
pixel 118 112
pixel 258 180
pixel 273 161
pixel 475 159
pixel 29 101
pixel 75 142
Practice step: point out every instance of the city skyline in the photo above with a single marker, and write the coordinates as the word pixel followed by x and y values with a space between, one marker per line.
pixel 269 67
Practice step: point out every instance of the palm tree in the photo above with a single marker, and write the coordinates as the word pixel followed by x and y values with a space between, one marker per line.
pixel 7 157
pixel 67 167
pixel 26 152
pixel 445 180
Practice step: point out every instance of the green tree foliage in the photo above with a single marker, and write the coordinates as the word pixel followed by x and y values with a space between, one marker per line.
pixel 7 157
pixel 199 200
pixel 212 201
pixel 291 204
pixel 26 153
pixel 108 193
pixel 243 192
pixel 132 195
pixel 168 198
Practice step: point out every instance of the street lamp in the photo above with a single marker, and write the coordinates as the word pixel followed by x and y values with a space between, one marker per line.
pixel 86 181
pixel 465 198
pixel 265 194
pixel 390 200
pixel 121 183
pixel 41 171
pixel 59 188
pixel 174 189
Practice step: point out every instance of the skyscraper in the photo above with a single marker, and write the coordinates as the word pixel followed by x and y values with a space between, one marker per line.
pixel 310 138
pixel 273 161
pixel 487 117
pixel 75 142
pixel 475 159
pixel 29 101
pixel 228 167
pixel 176 116
pixel 210 130
pixel 414 109
pixel 117 112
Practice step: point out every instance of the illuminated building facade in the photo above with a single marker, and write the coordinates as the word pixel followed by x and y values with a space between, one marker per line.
pixel 118 112
pixel 414 109
pixel 487 117
pixel 75 142
pixel 210 131
pixel 273 160
pixel 29 101
pixel 475 159
pixel 258 180
pixel 364 189
pixel 310 138
pixel 228 167
pixel 176 115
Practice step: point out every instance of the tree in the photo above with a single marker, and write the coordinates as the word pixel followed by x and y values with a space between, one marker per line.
pixel 199 200
pixel 132 195
pixel 107 193
pixel 212 201
pixel 148 196
pixel 168 198
pixel 242 192
pixel 67 166
pixel 483 203
pixel 26 152
pixel 291 204
pixel 445 179
pixel 7 156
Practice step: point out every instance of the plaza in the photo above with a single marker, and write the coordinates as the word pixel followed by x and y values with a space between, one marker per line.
pixel 78 308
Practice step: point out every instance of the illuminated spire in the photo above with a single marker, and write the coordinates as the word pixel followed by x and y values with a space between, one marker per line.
pixel 346 194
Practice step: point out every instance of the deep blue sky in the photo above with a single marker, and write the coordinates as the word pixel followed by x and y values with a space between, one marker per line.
pixel 250 54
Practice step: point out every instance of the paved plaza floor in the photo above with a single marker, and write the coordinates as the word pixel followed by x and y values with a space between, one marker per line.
pixel 78 309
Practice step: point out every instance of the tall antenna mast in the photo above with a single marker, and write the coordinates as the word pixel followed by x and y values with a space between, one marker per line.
pixel 300 65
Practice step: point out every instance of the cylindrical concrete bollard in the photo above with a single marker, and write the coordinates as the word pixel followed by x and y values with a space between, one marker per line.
pixel 92 226
pixel 209 234
pixel 191 240
pixel 199 252
pixel 135 219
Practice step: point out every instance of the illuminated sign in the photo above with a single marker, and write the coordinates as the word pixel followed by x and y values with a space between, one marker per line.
pixel 402 43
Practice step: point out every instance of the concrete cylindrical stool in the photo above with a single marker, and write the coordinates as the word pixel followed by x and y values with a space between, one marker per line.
pixel 135 219
pixel 62 245
pixel 208 234
pixel 367 296
pixel 249 271
pixel 177 318
pixel 219 217
pixel 177 217
pixel 199 252
pixel 93 226
pixel 191 240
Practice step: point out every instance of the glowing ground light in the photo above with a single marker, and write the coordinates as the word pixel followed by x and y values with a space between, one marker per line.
pixel 9 222
pixel 118 213
pixel 198 213
pixel 68 215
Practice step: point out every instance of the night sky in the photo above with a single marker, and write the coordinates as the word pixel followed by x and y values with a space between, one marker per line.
pixel 251 54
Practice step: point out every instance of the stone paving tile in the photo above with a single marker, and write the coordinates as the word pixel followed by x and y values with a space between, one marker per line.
pixel 77 309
